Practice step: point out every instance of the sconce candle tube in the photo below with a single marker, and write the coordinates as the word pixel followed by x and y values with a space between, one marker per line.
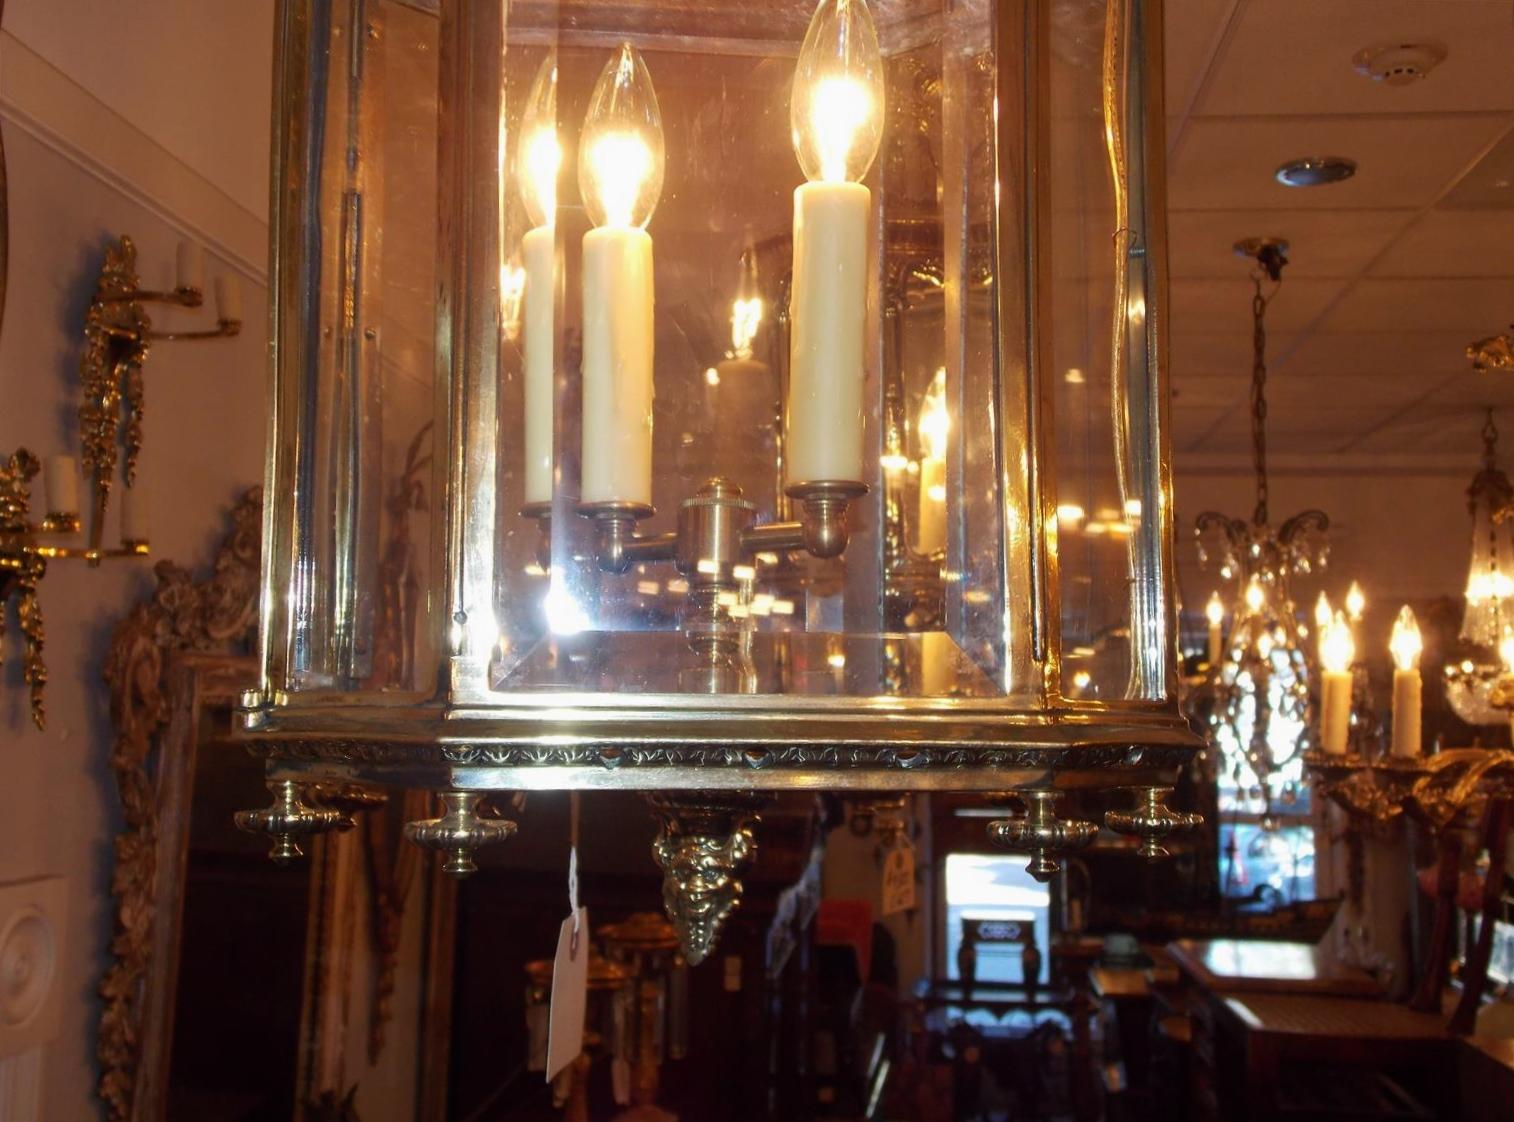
pixel 932 534
pixel 824 408
pixel 538 251
pixel 229 299
pixel 191 266
pixel 134 520
pixel 617 410
pixel 60 479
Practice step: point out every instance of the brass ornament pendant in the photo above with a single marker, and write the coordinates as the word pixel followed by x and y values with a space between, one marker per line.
pixel 702 842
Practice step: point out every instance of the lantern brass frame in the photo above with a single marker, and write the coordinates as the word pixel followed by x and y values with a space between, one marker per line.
pixel 469 737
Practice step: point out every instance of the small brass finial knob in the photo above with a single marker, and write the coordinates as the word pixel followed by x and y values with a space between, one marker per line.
pixel 1152 821
pixel 289 819
pixel 1042 832
pixel 459 831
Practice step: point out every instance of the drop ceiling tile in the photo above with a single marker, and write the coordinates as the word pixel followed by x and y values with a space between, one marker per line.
pixel 1476 307
pixel 1193 350
pixel 1323 243
pixel 1453 243
pixel 1225 306
pixel 1270 65
pixel 1229 164
pixel 1191 423
pixel 1193 30
pixel 1429 354
pixel 1218 392
pixel 1317 415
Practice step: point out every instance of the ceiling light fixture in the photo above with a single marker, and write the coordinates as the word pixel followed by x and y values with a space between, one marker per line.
pixel 1315 171
pixel 1398 64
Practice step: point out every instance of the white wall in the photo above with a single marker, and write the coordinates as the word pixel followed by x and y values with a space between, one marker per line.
pixel 148 119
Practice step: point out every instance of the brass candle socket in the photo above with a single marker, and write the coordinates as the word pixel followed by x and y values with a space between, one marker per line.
pixel 1040 831
pixel 542 513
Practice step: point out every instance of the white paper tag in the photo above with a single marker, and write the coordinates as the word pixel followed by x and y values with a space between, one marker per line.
pixel 899 880
pixel 570 993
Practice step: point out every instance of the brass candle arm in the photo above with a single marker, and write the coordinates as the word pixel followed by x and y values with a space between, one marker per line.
pixel 718 528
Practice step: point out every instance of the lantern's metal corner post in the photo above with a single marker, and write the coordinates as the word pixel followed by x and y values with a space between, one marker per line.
pixel 468 330
pixel 1149 201
pixel 1022 153
pixel 296 97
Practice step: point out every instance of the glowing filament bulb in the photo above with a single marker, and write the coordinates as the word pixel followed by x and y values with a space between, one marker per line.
pixel 1405 644
pixel 1323 613
pixel 836 111
pixel 1356 602
pixel 540 158
pixel 1255 596
pixel 1214 611
pixel 1506 652
pixel 620 156
pixel 1337 649
pixel 747 308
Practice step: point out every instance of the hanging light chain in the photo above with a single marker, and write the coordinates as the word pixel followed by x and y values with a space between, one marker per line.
pixel 1259 398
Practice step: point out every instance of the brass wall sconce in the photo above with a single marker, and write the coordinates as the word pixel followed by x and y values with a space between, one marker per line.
pixel 117 336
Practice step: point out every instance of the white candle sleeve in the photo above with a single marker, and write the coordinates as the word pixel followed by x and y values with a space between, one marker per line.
pixel 823 415
pixel 60 482
pixel 538 250
pixel 1407 690
pixel 1335 710
pixel 931 531
pixel 133 516
pixel 229 299
pixel 1216 644
pixel 191 270
pixel 617 381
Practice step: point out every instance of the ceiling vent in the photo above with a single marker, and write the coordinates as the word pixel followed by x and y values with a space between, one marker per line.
pixel 1399 64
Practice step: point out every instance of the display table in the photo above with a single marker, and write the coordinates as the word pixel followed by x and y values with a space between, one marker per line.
pixel 1256 966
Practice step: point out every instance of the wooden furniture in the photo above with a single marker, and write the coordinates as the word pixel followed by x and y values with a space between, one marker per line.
pixel 1256 966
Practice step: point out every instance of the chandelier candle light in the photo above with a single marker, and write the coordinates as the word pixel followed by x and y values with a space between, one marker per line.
pixel 620 168
pixel 1337 653
pixel 836 114
pixel 1214 612
pixel 1406 645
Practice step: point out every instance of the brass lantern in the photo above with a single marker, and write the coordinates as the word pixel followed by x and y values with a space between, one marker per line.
pixel 794 373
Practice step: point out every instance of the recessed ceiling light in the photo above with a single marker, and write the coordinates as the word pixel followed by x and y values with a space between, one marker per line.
pixel 1398 64
pixel 1315 171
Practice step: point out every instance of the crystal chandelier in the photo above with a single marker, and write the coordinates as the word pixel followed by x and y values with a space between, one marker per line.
pixel 1256 704
pixel 1490 583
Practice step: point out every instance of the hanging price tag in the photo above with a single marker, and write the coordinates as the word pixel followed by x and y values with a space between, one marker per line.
pixel 570 968
pixel 899 879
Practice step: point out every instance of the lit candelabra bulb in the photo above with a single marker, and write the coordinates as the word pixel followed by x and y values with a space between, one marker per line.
pixel 1214 612
pixel 1323 614
pixel 1337 652
pixel 620 169
pixel 1406 644
pixel 1356 602
pixel 1256 596
pixel 1506 651
pixel 836 114
pixel 1337 647
pixel 747 309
